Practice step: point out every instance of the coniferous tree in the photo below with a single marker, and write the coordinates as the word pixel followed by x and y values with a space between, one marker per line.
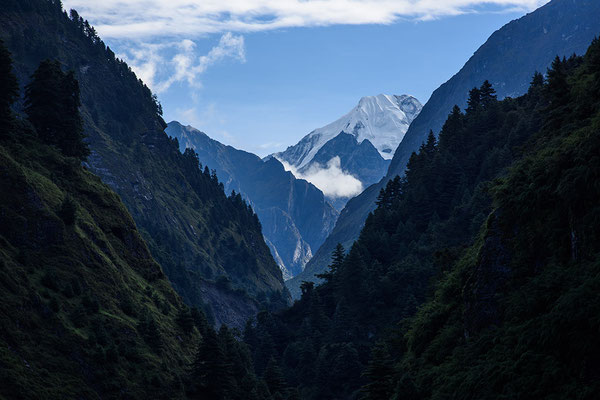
pixel 537 80
pixel 341 329
pixel 474 100
pixel 9 89
pixel 558 88
pixel 379 373
pixel 275 380
pixel 337 258
pixel 430 144
pixel 200 320
pixel 487 94
pixel 209 376
pixel 52 105
pixel 185 320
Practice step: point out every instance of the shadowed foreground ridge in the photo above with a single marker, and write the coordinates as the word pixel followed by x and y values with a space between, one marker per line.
pixel 204 241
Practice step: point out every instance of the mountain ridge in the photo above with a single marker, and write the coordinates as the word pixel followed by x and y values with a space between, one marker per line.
pixel 192 229
pixel 379 121
pixel 573 20
pixel 295 216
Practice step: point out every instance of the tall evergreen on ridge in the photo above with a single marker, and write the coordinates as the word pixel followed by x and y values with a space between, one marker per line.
pixel 9 88
pixel 209 375
pixel 52 105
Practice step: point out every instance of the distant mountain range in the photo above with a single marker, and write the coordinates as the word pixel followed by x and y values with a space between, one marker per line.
pixel 295 216
pixel 353 152
pixel 508 60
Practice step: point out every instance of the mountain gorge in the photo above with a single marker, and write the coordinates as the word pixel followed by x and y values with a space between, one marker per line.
pixel 139 260
pixel 209 246
pixel 295 216
pixel 507 59
pixel 475 276
pixel 357 146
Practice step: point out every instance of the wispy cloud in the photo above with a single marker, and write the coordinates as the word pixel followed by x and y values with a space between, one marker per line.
pixel 156 37
pixel 188 18
pixel 160 72
pixel 331 179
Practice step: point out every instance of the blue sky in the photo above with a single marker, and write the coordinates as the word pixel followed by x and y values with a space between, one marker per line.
pixel 259 75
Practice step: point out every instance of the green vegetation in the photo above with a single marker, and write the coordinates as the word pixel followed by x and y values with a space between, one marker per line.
pixel 52 106
pixel 517 317
pixel 9 89
pixel 86 311
pixel 70 256
pixel 508 318
pixel 477 276
pixel 192 228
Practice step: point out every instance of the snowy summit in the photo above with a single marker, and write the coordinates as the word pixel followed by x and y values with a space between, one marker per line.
pixel 381 119
pixel 355 150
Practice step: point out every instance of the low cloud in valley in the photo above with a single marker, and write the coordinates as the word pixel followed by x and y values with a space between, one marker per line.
pixel 330 179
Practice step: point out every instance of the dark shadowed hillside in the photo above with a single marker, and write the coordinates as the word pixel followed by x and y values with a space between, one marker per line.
pixel 203 240
pixel 86 311
pixel 517 315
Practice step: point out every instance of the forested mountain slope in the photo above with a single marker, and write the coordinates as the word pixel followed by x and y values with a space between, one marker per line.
pixel 86 311
pixel 210 247
pixel 561 27
pixel 516 316
pixel 295 216
pixel 506 59
pixel 502 247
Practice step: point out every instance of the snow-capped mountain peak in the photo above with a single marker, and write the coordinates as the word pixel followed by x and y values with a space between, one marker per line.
pixel 381 119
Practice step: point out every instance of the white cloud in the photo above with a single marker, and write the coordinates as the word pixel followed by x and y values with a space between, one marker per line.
pixel 149 60
pixel 331 179
pixel 127 19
